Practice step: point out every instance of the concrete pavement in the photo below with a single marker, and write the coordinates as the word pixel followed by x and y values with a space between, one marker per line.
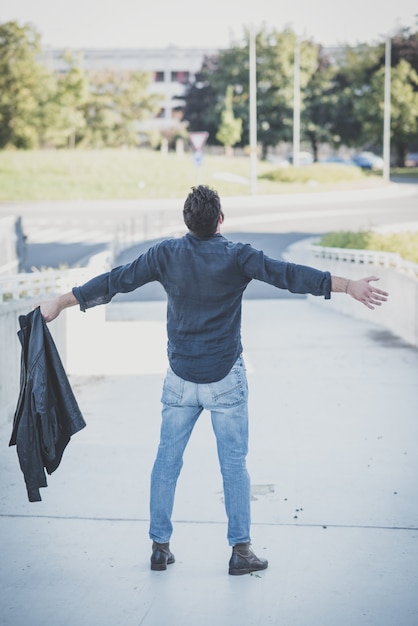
pixel 334 466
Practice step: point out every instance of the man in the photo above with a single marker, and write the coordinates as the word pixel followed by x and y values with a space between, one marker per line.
pixel 204 276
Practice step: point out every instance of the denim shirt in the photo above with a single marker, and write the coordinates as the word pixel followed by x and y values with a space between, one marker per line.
pixel 204 279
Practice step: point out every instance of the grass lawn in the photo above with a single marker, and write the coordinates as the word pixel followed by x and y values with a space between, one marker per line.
pixel 112 174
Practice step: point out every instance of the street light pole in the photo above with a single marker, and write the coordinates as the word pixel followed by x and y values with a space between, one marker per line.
pixel 296 104
pixel 386 117
pixel 253 111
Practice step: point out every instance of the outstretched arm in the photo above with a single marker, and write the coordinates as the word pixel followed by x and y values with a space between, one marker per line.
pixel 50 309
pixel 360 290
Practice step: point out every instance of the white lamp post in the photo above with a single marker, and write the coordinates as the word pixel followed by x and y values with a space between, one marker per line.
pixel 253 111
pixel 296 105
pixel 386 116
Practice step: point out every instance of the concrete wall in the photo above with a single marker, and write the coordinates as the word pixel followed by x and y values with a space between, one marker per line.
pixel 399 314
pixel 10 352
pixel 9 259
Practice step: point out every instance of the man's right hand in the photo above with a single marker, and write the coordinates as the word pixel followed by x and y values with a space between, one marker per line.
pixel 50 309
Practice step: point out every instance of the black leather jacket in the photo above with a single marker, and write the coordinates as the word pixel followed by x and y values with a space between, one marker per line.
pixel 47 413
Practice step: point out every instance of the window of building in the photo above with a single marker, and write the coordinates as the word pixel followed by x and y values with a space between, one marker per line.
pixel 180 77
pixel 159 77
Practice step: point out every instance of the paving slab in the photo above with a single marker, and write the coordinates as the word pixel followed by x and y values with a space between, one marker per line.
pixel 334 466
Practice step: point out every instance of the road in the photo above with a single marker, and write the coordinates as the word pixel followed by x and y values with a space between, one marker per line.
pixel 67 233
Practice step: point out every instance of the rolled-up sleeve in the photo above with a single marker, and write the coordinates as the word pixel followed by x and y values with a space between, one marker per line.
pixel 290 276
pixel 101 289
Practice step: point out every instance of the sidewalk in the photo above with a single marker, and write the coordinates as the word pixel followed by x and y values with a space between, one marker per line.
pixel 334 465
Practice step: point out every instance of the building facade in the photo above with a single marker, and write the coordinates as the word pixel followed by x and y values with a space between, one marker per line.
pixel 171 70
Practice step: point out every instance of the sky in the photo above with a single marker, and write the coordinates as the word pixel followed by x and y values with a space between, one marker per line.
pixel 212 23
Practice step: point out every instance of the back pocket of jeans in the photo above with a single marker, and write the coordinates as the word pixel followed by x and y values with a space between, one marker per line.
pixel 231 390
pixel 173 389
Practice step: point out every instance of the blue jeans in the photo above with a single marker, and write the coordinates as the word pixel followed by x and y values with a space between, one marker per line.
pixel 183 402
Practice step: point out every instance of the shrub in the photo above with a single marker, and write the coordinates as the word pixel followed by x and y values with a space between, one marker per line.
pixel 317 172
pixel 405 243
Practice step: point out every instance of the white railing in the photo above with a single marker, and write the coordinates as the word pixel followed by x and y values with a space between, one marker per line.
pixel 26 286
pixel 366 257
pixel 145 228
pixel 39 284
pixel 14 287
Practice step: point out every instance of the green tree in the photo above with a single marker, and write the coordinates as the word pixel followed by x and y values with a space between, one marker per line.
pixel 349 105
pixel 134 104
pixel 404 108
pixel 230 129
pixel 23 81
pixel 354 68
pixel 275 83
pixel 72 94
pixel 404 46
pixel 117 103
pixel 200 101
pixel 205 98
pixel 319 104
pixel 102 117
pixel 61 115
pixel 275 53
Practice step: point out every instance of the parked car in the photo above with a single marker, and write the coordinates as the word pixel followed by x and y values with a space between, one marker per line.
pixel 277 160
pixel 338 160
pixel 368 161
pixel 411 159
pixel 303 158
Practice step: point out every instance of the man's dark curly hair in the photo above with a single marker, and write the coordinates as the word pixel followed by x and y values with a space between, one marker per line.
pixel 201 212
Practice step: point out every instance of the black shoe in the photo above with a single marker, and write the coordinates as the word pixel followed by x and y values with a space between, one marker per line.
pixel 244 561
pixel 161 556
